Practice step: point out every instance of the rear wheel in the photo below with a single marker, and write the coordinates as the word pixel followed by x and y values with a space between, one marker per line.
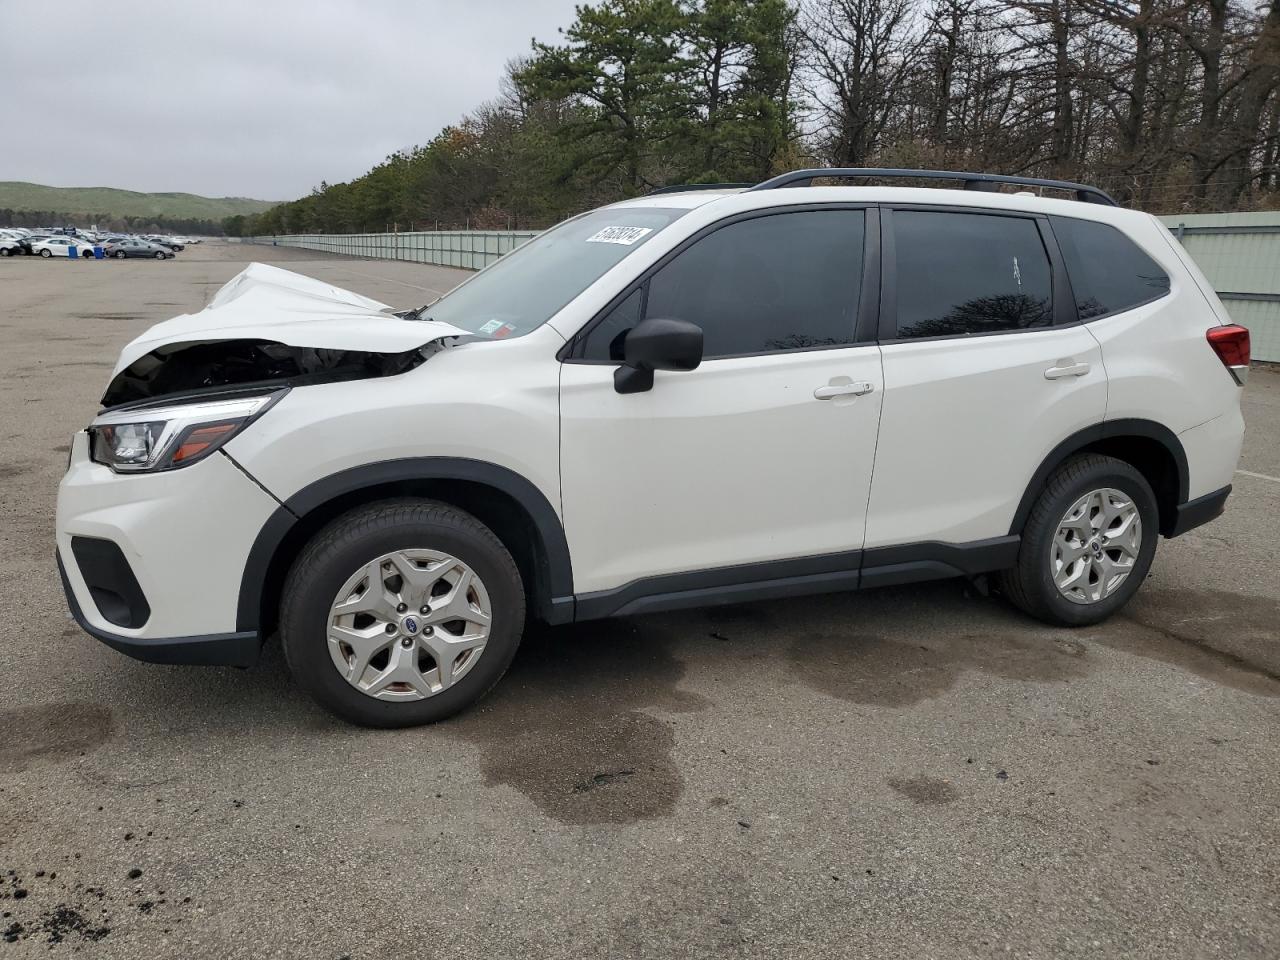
pixel 46 252
pixel 5 251
pixel 401 613
pixel 1088 544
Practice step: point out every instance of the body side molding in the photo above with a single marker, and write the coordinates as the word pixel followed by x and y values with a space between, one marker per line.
pixel 801 576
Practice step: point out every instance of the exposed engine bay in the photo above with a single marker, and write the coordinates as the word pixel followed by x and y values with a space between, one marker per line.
pixel 192 367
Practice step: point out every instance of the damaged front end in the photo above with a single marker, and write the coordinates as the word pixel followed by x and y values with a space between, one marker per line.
pixel 197 367
pixel 270 327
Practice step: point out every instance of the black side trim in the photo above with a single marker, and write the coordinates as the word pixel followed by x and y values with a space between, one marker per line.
pixel 217 649
pixel 114 588
pixel 802 576
pixel 932 560
pixel 1101 431
pixel 556 607
pixel 1201 510
pixel 738 584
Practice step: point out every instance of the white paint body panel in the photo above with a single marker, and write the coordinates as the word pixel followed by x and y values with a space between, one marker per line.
pixel 495 401
pixel 965 425
pixel 735 462
pixel 186 534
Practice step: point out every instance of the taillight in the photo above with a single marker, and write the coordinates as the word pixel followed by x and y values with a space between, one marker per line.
pixel 1231 344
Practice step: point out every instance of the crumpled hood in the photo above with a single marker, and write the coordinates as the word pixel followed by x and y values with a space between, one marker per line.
pixel 265 303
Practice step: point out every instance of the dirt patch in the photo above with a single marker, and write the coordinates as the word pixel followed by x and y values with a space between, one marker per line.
pixel 898 673
pixel 8 471
pixel 567 726
pixel 47 906
pixel 925 791
pixel 1228 638
pixel 51 732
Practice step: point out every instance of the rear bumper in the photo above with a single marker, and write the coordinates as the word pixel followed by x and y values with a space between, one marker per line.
pixel 219 649
pixel 1201 510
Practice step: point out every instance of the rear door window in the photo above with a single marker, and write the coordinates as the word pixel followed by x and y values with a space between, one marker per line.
pixel 1109 272
pixel 959 274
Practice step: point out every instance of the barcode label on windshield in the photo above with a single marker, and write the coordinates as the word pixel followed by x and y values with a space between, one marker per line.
pixel 623 235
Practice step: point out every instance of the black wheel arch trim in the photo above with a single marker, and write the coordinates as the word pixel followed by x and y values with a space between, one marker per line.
pixel 556 608
pixel 1081 439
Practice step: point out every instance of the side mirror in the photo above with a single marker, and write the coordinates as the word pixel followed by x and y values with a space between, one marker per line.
pixel 657 344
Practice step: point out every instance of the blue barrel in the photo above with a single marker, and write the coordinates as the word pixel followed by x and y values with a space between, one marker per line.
pixel 98 253
pixel 73 251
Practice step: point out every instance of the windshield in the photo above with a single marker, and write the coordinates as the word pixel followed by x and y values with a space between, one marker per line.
pixel 526 288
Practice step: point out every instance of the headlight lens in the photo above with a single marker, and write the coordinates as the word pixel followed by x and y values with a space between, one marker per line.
pixel 152 438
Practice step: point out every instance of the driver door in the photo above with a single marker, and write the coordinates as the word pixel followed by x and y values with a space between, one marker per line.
pixel 760 459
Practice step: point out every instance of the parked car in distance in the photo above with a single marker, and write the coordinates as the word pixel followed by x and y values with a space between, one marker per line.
pixel 137 248
pixel 167 242
pixel 29 241
pixel 691 398
pixel 10 247
pixel 62 247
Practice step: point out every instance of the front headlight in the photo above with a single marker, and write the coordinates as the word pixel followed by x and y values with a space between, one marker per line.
pixel 165 437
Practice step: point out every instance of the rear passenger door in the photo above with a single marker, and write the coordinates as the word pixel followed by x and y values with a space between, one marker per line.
pixel 761 454
pixel 986 369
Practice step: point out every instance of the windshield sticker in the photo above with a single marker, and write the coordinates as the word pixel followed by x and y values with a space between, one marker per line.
pixel 623 235
pixel 489 327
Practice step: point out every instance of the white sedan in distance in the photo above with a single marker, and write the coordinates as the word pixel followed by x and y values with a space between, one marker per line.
pixel 62 247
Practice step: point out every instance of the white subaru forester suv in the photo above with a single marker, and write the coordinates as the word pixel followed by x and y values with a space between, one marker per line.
pixel 691 398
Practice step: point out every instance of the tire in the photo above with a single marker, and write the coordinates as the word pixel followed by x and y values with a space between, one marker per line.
pixel 159 254
pixel 335 557
pixel 120 254
pixel 5 251
pixel 1031 585
pixel 46 253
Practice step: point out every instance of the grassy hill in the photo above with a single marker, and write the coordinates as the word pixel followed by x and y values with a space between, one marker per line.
pixel 15 195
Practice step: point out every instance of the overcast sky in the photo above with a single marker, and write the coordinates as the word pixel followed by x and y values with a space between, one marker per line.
pixel 250 98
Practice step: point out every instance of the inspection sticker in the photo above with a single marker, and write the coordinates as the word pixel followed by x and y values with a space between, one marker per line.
pixel 623 235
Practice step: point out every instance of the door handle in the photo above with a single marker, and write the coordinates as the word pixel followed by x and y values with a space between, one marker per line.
pixel 843 387
pixel 1066 368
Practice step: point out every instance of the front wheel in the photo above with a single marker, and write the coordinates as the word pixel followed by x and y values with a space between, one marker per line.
pixel 401 613
pixel 1087 545
pixel 159 254
pixel 120 254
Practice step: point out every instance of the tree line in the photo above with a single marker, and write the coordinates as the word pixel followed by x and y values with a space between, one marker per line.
pixel 1170 105
pixel 106 221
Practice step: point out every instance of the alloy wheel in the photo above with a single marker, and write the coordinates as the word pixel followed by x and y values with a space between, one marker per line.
pixel 1096 545
pixel 409 625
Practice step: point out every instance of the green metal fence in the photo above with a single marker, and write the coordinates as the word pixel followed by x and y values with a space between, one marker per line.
pixel 469 249
pixel 1240 255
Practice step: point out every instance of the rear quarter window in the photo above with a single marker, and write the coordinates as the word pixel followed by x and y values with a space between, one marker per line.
pixel 1109 272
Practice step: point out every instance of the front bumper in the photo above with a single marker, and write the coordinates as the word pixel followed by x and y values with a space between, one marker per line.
pixel 182 536
pixel 225 649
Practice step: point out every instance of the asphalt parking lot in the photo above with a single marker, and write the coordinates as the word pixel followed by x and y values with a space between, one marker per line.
pixel 909 772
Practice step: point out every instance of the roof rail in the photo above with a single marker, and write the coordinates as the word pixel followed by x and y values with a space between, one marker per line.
pixel 686 187
pixel 972 181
